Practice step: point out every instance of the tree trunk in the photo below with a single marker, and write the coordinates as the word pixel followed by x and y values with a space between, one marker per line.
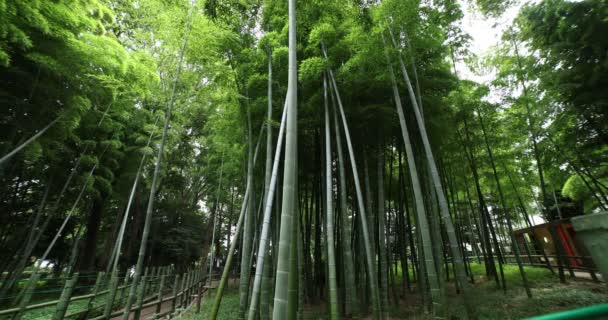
pixel 89 252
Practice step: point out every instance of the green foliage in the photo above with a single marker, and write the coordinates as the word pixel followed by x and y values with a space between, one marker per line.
pixel 493 8
pixel 312 69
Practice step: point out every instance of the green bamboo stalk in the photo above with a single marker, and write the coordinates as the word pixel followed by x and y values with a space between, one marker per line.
pixel 421 218
pixel 371 221
pixel 382 254
pixel 269 159
pixel 141 292
pixel 156 177
pixel 233 244
pixel 370 259
pixel 111 294
pixel 293 278
pixel 7 285
pixel 28 291
pixel 349 268
pixel 11 278
pixel 265 291
pixel 503 202
pixel 281 296
pixel 217 201
pixel 300 268
pixel 98 282
pixel 27 142
pixel 265 285
pixel 329 219
pixel 64 299
pixel 245 275
pixel 461 276
pixel 33 277
pixel 531 126
pixel 264 239
pixel 123 292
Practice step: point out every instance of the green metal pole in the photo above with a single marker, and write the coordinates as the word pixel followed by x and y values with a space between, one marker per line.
pixel 592 312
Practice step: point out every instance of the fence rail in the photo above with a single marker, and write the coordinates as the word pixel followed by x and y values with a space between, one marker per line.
pixel 570 263
pixel 162 288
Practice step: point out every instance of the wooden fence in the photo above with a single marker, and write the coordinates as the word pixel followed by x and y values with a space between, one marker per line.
pixel 162 292
pixel 569 263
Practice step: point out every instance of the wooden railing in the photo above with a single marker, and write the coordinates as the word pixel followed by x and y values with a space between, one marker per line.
pixel 583 263
pixel 161 290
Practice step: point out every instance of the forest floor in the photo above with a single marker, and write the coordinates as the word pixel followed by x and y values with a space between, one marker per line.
pixel 548 295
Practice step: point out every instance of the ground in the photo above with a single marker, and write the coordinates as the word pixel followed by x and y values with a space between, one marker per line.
pixel 492 303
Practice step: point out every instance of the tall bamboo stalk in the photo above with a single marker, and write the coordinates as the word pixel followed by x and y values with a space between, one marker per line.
pixel 421 218
pixel 531 126
pixel 503 202
pixel 156 178
pixel 370 258
pixel 266 220
pixel 233 244
pixel 218 208
pixel 382 236
pixel 461 276
pixel 116 251
pixel 31 284
pixel 345 225
pixel 28 141
pixel 248 229
pixel 281 294
pixel 329 211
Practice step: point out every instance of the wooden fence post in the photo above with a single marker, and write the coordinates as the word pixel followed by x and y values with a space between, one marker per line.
pixel 152 279
pixel 175 292
pixel 186 289
pixel 199 292
pixel 160 294
pixel 64 299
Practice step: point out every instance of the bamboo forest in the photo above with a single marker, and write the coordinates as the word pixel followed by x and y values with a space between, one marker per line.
pixel 303 159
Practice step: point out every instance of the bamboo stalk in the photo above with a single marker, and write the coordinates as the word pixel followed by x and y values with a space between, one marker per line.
pixel 64 299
